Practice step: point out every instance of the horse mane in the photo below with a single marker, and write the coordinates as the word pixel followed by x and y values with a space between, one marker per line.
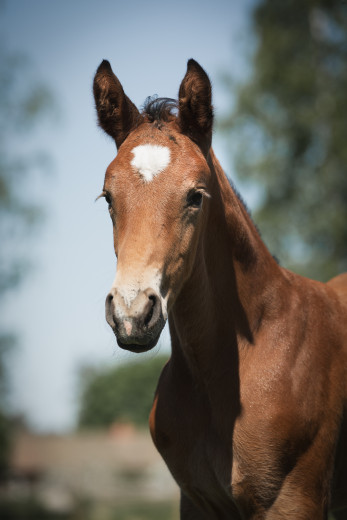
pixel 249 212
pixel 160 109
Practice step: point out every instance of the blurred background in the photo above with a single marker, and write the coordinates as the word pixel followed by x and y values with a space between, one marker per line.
pixel 74 441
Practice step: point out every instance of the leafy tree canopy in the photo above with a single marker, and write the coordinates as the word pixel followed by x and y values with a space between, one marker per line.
pixel 119 394
pixel 23 102
pixel 288 132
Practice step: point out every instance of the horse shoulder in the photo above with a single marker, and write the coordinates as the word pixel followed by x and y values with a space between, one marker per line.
pixel 291 384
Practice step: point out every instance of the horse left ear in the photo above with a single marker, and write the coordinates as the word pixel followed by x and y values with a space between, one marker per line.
pixel 195 106
pixel 116 113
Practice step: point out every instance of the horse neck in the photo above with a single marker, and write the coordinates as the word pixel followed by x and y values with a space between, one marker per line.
pixel 222 305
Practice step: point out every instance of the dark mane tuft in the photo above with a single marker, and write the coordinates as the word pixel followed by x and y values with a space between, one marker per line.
pixel 160 109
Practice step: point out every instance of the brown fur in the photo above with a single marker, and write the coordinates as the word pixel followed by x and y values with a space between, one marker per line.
pixel 250 413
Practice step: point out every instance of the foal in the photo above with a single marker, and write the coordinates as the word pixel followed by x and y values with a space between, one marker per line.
pixel 250 411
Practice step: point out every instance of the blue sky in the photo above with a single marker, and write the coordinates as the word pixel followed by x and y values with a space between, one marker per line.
pixel 58 312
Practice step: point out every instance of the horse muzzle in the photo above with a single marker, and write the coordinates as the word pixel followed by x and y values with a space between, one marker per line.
pixel 136 324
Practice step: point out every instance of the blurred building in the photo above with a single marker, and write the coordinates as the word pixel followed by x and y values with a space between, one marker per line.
pixel 110 468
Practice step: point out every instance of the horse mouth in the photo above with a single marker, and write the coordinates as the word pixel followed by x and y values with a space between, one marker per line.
pixel 139 348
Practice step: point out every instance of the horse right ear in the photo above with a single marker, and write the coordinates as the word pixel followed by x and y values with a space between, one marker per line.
pixel 195 115
pixel 117 115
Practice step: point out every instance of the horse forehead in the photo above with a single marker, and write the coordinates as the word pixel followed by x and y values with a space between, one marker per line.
pixel 149 154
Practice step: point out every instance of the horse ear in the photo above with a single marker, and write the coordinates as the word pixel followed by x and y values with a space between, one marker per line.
pixel 195 109
pixel 117 115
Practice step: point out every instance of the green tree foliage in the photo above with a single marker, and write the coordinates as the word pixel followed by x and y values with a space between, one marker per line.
pixel 288 132
pixel 119 394
pixel 22 103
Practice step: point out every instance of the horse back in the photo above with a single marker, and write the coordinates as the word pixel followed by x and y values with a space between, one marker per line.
pixel 339 283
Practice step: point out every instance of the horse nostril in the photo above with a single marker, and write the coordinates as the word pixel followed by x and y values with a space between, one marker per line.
pixel 153 309
pixel 109 310
pixel 108 303
pixel 152 299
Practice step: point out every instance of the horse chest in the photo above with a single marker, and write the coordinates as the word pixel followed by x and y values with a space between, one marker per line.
pixel 198 463
pixel 185 437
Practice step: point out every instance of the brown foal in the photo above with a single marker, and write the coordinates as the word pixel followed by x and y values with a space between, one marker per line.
pixel 250 411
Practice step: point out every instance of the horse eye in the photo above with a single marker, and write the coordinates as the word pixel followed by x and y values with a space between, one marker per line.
pixel 194 199
pixel 108 199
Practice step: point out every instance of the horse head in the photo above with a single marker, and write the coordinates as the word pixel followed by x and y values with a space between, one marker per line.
pixel 157 189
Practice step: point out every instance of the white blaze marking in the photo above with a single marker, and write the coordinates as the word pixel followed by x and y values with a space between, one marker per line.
pixel 149 160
